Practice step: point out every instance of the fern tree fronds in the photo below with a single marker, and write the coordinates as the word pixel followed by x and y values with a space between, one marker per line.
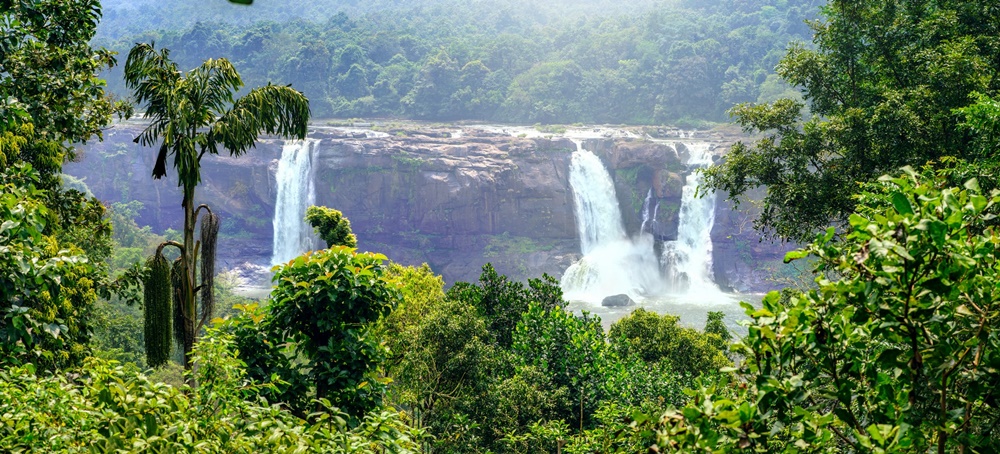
pixel 209 237
pixel 156 298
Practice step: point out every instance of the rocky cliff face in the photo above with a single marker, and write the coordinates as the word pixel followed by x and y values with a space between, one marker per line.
pixel 742 260
pixel 455 203
pixel 421 195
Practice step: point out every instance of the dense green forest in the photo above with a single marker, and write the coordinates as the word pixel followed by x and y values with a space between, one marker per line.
pixel 891 177
pixel 517 61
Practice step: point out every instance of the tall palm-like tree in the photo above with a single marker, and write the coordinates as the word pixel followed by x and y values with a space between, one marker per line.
pixel 191 114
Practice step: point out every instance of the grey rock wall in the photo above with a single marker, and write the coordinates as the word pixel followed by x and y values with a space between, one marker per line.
pixel 420 196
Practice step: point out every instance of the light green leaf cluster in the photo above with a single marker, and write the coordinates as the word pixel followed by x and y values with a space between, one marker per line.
pixel 103 407
pixel 328 304
pixel 47 287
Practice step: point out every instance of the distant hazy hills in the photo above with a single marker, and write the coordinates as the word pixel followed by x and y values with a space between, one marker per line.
pixel 129 17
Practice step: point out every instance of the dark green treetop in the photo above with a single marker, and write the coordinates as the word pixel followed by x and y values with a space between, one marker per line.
pixel 331 226
pixel 882 84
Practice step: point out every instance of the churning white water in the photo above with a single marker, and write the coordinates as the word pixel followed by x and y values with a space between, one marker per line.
pixel 292 235
pixel 612 263
pixel 688 260
pixel 615 264
pixel 598 219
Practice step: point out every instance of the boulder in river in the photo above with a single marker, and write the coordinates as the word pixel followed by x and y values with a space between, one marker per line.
pixel 621 300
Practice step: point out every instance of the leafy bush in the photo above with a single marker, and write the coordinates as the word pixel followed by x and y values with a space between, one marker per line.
pixel 327 304
pixel 47 286
pixel 894 351
pixel 654 338
pixel 104 407
pixel 501 301
pixel 571 351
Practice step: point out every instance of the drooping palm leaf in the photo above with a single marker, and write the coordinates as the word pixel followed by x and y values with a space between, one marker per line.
pixel 272 109
pixel 217 80
pixel 160 167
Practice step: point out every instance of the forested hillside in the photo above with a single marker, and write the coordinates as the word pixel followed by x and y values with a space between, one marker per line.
pixel 512 61
pixel 121 15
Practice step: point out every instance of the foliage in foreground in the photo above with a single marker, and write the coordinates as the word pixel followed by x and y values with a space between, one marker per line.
pixel 46 285
pixel 888 83
pixel 105 407
pixel 53 240
pixel 500 366
pixel 896 350
pixel 317 338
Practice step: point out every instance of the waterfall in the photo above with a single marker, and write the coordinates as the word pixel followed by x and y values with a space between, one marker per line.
pixel 612 263
pixel 688 260
pixel 645 211
pixel 598 219
pixel 292 235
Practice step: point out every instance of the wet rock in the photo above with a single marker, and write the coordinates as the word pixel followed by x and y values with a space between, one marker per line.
pixel 621 300
pixel 743 261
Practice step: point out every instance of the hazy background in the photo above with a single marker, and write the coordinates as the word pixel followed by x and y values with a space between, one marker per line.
pixel 515 61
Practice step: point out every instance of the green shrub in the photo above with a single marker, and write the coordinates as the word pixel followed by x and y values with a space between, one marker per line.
pixel 105 407
pixel 654 338
pixel 327 303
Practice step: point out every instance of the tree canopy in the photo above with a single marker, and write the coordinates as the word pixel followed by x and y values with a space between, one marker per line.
pixel 895 348
pixel 53 240
pixel 331 226
pixel 885 85
pixel 512 61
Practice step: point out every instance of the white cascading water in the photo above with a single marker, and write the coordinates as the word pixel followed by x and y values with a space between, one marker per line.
pixel 598 219
pixel 645 211
pixel 612 263
pixel 292 235
pixel 688 260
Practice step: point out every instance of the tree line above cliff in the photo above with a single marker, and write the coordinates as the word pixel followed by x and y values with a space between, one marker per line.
pixel 680 62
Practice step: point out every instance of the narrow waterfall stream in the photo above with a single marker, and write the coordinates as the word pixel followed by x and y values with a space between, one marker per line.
pixel 645 211
pixel 292 236
pixel 688 260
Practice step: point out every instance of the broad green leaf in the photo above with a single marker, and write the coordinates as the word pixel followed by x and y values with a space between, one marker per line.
pixel 901 203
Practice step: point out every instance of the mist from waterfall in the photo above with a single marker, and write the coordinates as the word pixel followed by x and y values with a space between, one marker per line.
pixel 688 260
pixel 612 263
pixel 292 235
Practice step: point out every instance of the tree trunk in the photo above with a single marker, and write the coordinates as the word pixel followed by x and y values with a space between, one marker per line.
pixel 190 258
